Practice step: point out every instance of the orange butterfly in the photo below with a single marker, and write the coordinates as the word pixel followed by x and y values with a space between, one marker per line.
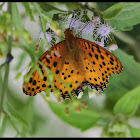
pixel 76 61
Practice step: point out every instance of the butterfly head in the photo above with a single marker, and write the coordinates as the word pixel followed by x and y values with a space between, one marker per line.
pixel 68 33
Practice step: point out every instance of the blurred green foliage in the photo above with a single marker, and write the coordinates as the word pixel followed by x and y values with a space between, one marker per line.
pixel 122 96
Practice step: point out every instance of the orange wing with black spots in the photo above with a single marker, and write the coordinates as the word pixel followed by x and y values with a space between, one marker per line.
pixel 99 63
pixel 60 64
pixel 52 59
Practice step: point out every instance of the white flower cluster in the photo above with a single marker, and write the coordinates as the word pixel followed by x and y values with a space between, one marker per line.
pixel 93 30
pixel 49 36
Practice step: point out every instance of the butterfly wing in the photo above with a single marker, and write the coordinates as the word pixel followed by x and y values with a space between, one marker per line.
pixel 60 64
pixel 51 59
pixel 99 63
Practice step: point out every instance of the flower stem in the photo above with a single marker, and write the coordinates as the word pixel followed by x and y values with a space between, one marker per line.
pixel 6 75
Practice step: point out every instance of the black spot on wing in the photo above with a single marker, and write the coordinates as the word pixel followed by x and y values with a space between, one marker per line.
pixel 54 64
pixel 96 56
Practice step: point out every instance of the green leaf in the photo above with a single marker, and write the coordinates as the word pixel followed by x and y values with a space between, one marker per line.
pixel 83 120
pixel 34 119
pixel 47 7
pixel 16 18
pixel 128 79
pixel 128 17
pixel 20 62
pixel 13 114
pixel 26 109
pixel 28 10
pixel 28 48
pixel 49 14
pixel 47 10
pixel 3 120
pixel 43 20
pixel 18 76
pixel 128 104
pixel 134 132
pixel 112 11
pixel 71 5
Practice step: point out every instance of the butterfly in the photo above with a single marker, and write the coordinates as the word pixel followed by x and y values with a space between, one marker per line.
pixel 77 61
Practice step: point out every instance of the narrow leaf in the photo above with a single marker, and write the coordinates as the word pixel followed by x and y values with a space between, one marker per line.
pixel 16 18
pixel 3 120
pixel 12 113
pixel 28 10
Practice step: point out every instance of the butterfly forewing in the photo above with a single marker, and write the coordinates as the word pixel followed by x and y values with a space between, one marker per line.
pixel 52 59
pixel 58 62
pixel 99 63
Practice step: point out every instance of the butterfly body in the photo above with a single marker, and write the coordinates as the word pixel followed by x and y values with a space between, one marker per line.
pixel 77 62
